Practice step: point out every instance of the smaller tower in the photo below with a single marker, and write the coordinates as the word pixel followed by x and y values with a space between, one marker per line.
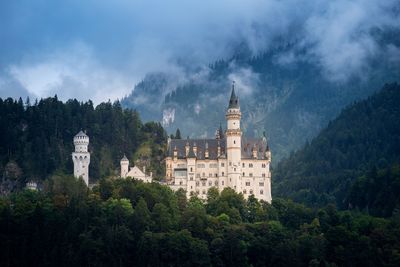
pixel 81 156
pixel 124 166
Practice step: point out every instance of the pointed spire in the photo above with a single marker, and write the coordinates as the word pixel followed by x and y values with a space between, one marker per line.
pixel 234 101
pixel 191 153
pixel 124 158
pixel 221 132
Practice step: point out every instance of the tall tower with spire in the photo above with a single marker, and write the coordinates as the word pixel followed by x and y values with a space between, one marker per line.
pixel 233 141
pixel 81 156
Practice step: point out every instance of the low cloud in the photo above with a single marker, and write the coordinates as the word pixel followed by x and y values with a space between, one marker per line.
pixel 101 49
pixel 73 72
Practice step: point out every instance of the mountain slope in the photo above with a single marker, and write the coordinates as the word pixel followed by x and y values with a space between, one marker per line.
pixel 364 135
pixel 290 100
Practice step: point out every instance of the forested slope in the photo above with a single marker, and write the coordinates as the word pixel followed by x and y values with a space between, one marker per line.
pixel 129 223
pixel 36 140
pixel 363 138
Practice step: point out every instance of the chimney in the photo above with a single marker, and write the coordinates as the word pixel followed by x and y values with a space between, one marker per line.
pixel 254 151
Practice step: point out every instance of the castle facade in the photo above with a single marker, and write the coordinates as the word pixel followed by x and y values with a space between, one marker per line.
pixel 229 160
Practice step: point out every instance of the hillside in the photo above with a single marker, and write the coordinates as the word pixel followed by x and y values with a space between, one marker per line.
pixel 123 222
pixel 364 138
pixel 36 140
pixel 290 101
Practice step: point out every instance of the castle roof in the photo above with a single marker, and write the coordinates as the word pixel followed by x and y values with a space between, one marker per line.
pixel 81 134
pixel 124 158
pixel 180 145
pixel 234 100
pixel 247 148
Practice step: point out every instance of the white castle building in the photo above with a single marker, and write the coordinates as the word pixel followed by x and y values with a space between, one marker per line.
pixel 229 160
pixel 81 156
pixel 196 165
pixel 134 172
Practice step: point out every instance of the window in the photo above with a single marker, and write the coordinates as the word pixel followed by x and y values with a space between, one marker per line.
pixel 191 169
pixel 234 141
pixel 210 174
pixel 198 175
pixel 243 174
pixel 243 165
pixel 209 183
pixel 263 175
pixel 261 192
pixel 216 183
pixel 222 164
pixel 234 169
pixel 222 182
pixel 216 175
pixel 204 175
pixel 197 183
pixel 203 183
pixel 213 165
pixel 204 192
pixel 261 183
pixel 223 174
pixel 191 187
pixel 250 174
pixel 244 191
pixel 201 165
pixel 247 183
pixel 180 183
pixel 191 178
pixel 251 191
pixel 250 165
pixel 263 165
pixel 230 163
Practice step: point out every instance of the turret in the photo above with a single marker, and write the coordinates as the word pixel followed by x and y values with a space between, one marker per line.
pixel 81 156
pixel 124 166
pixel 187 146
pixel 233 141
pixel 195 149
pixel 206 154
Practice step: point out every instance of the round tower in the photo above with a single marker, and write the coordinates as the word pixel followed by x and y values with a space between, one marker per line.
pixel 233 141
pixel 81 156
pixel 124 166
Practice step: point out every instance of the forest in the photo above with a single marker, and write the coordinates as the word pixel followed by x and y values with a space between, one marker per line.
pixel 353 163
pixel 36 139
pixel 124 222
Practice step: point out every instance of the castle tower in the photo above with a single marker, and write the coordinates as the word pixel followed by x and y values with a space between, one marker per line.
pixel 233 142
pixel 124 166
pixel 81 156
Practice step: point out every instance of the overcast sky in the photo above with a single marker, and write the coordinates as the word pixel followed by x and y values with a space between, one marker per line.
pixel 98 49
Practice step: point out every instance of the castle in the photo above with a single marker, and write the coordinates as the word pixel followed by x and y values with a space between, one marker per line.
pixel 196 165
pixel 229 160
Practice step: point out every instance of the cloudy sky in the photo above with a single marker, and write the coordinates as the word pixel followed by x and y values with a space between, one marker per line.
pixel 98 49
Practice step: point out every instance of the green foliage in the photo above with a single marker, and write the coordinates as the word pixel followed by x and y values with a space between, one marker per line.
pixel 365 136
pixel 129 223
pixel 36 140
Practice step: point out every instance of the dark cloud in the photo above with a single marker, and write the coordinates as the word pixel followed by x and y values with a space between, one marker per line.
pixel 99 49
